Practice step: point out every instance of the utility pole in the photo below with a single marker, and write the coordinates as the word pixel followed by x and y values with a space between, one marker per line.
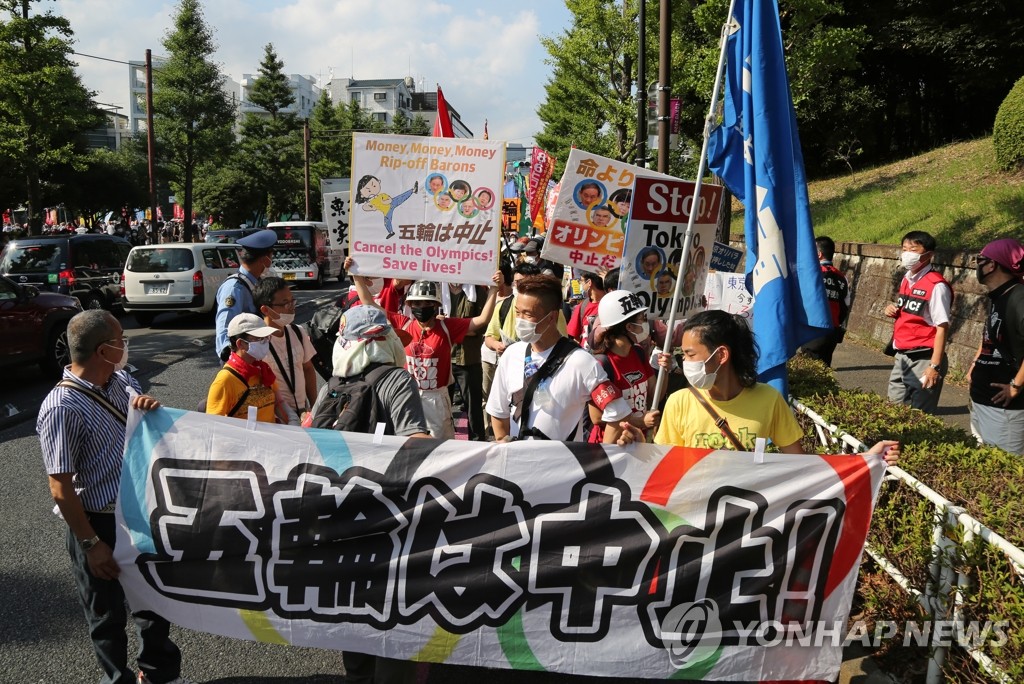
pixel 641 90
pixel 664 62
pixel 151 145
pixel 305 159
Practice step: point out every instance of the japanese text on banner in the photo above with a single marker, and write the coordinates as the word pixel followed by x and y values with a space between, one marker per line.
pixel 426 208
pixel 658 218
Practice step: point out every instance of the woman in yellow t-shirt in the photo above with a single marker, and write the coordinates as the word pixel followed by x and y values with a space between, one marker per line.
pixel 720 363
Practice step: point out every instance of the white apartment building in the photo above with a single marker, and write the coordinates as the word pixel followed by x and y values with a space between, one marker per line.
pixel 137 93
pixel 304 89
pixel 383 98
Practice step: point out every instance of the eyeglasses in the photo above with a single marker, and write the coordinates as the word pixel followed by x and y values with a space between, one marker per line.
pixel 289 304
pixel 122 340
pixel 981 261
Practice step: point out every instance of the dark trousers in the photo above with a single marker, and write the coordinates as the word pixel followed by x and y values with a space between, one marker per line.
pixel 822 348
pixel 104 605
pixel 470 380
pixel 367 669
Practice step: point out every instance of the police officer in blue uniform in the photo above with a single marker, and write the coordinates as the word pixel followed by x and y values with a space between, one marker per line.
pixel 235 294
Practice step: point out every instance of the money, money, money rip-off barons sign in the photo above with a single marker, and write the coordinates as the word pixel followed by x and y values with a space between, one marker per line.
pixel 653 561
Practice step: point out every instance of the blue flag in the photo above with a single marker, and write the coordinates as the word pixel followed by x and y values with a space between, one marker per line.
pixel 756 152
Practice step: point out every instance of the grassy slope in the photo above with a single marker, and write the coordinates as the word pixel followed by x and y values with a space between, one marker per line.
pixel 953 192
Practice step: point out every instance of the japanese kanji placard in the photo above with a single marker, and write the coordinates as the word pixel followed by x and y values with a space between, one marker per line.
pixel 426 208
pixel 647 561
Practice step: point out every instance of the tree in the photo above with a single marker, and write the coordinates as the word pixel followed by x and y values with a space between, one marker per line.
pixel 192 115
pixel 271 147
pixel 590 102
pixel 44 108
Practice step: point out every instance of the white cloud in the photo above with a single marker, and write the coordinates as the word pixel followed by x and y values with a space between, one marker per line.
pixel 487 59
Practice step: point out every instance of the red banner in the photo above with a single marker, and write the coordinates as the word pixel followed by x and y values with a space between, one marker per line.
pixel 542 165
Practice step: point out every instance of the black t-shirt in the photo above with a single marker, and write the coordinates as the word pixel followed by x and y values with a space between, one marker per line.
pixel 1002 345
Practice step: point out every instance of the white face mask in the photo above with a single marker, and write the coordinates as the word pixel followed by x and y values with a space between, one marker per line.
pixel 376 285
pixel 910 259
pixel 124 357
pixel 639 331
pixel 530 259
pixel 697 375
pixel 527 330
pixel 284 319
pixel 258 350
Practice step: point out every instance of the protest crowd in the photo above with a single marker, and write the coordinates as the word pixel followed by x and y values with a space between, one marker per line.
pixel 548 351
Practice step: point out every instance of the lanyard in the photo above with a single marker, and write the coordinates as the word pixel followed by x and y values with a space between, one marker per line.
pixel 291 366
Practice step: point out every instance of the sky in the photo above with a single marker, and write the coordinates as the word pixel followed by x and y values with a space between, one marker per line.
pixel 486 55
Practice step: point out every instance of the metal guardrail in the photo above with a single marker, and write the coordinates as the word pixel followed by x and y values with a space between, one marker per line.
pixel 944 594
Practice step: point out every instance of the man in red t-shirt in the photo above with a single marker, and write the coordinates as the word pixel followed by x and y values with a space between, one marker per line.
pixel 429 354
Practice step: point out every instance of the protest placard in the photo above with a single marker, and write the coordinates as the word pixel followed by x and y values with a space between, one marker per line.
pixel 588 222
pixel 725 258
pixel 336 210
pixel 658 562
pixel 426 208
pixel 542 165
pixel 654 242
pixel 728 292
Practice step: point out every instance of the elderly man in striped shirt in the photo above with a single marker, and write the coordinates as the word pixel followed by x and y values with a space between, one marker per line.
pixel 81 428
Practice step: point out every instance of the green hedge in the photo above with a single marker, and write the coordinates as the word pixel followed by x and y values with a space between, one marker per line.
pixel 988 482
pixel 1008 129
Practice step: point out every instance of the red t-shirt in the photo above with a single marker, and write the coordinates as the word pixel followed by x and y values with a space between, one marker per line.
pixel 577 328
pixel 429 356
pixel 630 374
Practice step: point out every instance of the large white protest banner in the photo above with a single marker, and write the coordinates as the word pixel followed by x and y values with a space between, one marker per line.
pixel 654 243
pixel 591 209
pixel 426 208
pixel 655 562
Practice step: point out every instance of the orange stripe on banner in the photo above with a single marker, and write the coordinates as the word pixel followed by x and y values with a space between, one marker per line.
pixel 855 475
pixel 672 468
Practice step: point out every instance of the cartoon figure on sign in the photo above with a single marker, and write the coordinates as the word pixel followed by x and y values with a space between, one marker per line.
pixel 589 193
pixel 459 190
pixel 619 202
pixel 648 262
pixel 694 268
pixel 665 282
pixel 484 199
pixel 601 217
pixel 369 195
pixel 467 207
pixel 444 202
pixel 437 183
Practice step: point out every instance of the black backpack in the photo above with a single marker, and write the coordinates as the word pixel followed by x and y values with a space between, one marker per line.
pixel 351 404
pixel 322 329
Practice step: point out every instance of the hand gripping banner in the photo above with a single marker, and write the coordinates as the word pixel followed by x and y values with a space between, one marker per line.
pixel 650 561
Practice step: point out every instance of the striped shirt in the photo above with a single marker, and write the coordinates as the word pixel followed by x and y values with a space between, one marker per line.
pixel 79 436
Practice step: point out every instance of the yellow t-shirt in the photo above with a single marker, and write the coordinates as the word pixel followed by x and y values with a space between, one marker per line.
pixel 758 411
pixel 381 202
pixel 227 389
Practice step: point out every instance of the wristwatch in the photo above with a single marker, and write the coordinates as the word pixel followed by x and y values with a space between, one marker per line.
pixel 87 544
pixel 1014 385
pixel 933 366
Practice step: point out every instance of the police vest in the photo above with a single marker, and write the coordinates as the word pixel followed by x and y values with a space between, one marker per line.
pixel 911 330
pixel 836 288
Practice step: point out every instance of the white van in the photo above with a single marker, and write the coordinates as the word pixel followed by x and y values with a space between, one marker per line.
pixel 175 277
pixel 306 253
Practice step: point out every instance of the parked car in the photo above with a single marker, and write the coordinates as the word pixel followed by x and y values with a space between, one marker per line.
pixel 180 276
pixel 34 326
pixel 86 266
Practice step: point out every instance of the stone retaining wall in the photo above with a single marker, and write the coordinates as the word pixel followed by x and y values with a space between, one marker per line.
pixel 875 273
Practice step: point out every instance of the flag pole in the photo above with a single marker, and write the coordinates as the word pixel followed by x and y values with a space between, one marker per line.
pixel 709 122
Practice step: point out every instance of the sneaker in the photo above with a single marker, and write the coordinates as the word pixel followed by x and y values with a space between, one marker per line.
pixel 143 679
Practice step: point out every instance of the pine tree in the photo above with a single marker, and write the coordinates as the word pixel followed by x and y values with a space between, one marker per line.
pixel 192 115
pixel 271 91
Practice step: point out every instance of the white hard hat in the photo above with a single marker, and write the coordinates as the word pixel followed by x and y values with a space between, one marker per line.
pixel 618 306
